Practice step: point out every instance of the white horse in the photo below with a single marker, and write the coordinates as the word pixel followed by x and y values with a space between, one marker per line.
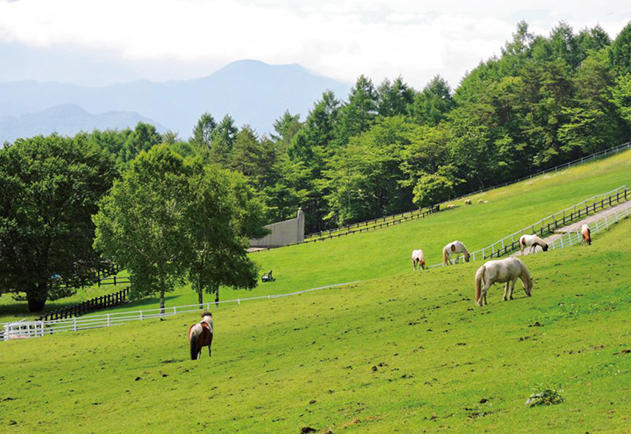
pixel 587 234
pixel 418 259
pixel 501 271
pixel 457 248
pixel 531 241
pixel 201 335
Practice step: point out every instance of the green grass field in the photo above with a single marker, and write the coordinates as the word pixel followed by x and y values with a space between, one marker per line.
pixel 405 353
pixel 386 252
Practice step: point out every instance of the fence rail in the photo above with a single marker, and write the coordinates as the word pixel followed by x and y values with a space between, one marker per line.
pixel 103 302
pixel 371 225
pixel 551 223
pixel 395 219
pixel 39 328
pixel 575 237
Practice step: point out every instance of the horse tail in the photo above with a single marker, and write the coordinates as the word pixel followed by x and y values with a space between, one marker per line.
pixel 589 236
pixel 193 338
pixel 445 252
pixel 479 277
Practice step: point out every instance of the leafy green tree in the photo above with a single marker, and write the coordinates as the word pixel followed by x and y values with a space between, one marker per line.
pixel 394 98
pixel 203 131
pixel 592 123
pixel 433 188
pixel 365 176
pixel 223 138
pixel 222 214
pixel 286 128
pixel 621 51
pixel 359 113
pixel 253 158
pixel 621 97
pixel 50 188
pixel 141 223
pixel 313 146
pixel 142 138
pixel 432 104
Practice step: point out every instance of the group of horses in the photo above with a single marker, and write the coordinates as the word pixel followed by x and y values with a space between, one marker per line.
pixel 505 271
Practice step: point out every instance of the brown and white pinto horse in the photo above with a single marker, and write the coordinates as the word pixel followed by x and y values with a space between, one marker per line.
pixel 418 259
pixel 587 234
pixel 531 241
pixel 454 248
pixel 201 335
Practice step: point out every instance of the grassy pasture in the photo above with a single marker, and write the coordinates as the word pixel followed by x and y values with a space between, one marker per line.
pixel 406 353
pixel 386 252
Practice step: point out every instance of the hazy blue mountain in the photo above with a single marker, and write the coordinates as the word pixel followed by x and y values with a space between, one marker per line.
pixel 252 92
pixel 66 119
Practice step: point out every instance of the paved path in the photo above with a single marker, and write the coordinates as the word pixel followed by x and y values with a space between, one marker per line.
pixel 576 227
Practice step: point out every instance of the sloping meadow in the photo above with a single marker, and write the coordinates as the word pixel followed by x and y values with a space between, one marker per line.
pixel 386 252
pixel 408 352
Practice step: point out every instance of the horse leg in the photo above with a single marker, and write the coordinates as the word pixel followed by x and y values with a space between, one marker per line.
pixel 414 264
pixel 485 288
pixel 506 291
pixel 512 288
pixel 210 343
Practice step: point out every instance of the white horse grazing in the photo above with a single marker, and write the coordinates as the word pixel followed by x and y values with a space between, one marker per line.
pixel 457 248
pixel 531 241
pixel 418 258
pixel 201 335
pixel 587 234
pixel 500 271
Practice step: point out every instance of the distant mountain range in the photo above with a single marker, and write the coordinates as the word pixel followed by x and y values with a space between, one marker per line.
pixel 67 120
pixel 252 92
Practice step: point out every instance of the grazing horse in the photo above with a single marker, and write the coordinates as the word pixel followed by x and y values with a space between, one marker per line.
pixel 418 258
pixel 500 271
pixel 457 248
pixel 587 234
pixel 201 335
pixel 531 241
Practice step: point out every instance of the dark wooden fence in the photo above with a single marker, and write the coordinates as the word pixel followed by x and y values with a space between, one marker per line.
pixel 371 225
pixel 548 227
pixel 88 306
pixel 386 221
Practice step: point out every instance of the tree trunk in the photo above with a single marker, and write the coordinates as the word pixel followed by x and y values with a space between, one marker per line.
pixel 37 296
pixel 216 295
pixel 162 290
pixel 200 295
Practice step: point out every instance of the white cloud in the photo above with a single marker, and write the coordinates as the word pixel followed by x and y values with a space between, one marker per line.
pixel 342 38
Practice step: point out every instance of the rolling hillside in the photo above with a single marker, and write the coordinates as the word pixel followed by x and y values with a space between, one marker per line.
pixel 385 252
pixel 409 352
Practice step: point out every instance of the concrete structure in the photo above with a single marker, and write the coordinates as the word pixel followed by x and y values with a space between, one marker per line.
pixel 283 233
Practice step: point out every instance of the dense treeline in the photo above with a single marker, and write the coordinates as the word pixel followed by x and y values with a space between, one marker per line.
pixel 385 149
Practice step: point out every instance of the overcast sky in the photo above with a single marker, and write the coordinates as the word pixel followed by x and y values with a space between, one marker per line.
pixel 103 41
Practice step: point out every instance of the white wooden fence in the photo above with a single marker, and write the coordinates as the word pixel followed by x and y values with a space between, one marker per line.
pixel 575 237
pixel 28 329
